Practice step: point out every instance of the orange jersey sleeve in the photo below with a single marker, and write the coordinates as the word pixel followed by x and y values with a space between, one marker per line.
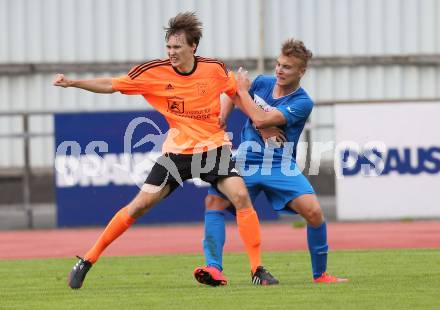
pixel 131 84
pixel 127 86
pixel 231 87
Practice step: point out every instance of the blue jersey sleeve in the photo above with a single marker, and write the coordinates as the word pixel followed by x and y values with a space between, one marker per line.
pixel 297 110
pixel 254 86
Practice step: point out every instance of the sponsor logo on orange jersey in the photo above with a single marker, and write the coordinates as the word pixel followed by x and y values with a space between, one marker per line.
pixel 176 104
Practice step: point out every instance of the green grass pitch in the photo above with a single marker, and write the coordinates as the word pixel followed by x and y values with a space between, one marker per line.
pixel 389 279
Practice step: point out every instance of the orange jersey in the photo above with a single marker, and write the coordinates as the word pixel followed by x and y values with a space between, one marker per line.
pixel 190 102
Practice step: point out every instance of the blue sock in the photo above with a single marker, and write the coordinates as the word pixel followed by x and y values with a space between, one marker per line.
pixel 214 238
pixel 318 248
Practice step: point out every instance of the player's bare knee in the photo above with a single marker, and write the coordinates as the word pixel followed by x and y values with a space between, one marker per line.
pixel 216 203
pixel 314 216
pixel 240 199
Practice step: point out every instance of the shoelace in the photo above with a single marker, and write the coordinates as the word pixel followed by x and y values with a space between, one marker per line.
pixel 265 272
pixel 79 263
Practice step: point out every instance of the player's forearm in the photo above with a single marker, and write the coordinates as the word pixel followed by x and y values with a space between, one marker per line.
pixel 226 107
pixel 98 85
pixel 260 118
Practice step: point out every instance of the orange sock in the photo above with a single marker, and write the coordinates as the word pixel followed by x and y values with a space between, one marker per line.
pixel 249 228
pixel 116 227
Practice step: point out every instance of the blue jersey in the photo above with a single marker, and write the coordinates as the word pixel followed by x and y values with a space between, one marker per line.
pixel 296 108
pixel 279 184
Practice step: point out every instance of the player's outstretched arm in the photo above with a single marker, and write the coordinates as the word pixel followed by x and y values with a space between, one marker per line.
pixel 98 85
pixel 260 118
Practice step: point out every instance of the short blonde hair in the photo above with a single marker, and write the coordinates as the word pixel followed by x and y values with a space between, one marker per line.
pixel 296 48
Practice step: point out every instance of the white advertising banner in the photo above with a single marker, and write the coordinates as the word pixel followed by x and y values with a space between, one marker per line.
pixel 387 160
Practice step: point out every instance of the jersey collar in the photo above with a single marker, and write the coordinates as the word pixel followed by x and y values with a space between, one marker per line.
pixel 273 91
pixel 187 73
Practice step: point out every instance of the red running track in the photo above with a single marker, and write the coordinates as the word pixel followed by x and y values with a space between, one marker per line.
pixel 148 240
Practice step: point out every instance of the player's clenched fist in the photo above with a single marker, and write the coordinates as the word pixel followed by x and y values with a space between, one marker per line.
pixel 243 82
pixel 61 80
